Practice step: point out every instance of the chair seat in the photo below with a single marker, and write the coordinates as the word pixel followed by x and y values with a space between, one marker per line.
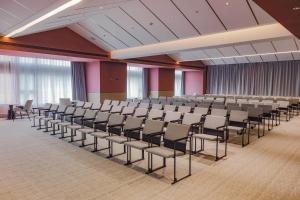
pixel 86 130
pixel 235 128
pixel 117 139
pixel 55 121
pixel 74 127
pixel 47 118
pixel 137 144
pixel 100 134
pixel 164 152
pixel 64 123
pixel 206 137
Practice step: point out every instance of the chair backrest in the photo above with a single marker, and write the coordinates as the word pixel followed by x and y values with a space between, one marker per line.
pixel 204 105
pixel 266 108
pixel 174 132
pixel 238 116
pixel 133 104
pixel 107 102
pixel 79 103
pixel 116 109
pixel 102 116
pixel 70 110
pixel 90 114
pixel 61 108
pixel 177 103
pixel 155 101
pixel 283 104
pixel 124 103
pixel 115 102
pixel 274 105
pixel 133 122
pixel 191 104
pixel 96 106
pixel 172 115
pixel 246 106
pixel 219 112
pixel 154 113
pixel 169 108
pixel 157 106
pixel 116 119
pixel 144 105
pixel 47 106
pixel 128 110
pixel 213 122
pixel 255 112
pixel 201 110
pixel 145 101
pixel 88 105
pixel 106 107
pixel 79 112
pixel 184 109
pixel 65 101
pixel 28 105
pixel 191 118
pixel 230 108
pixel 140 112
pixel 153 126
pixel 218 106
pixel 54 107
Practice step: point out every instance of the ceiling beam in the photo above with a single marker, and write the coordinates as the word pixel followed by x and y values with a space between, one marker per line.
pixel 265 32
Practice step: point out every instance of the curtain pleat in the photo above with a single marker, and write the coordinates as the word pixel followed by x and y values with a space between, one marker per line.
pixel 270 79
pixel 78 81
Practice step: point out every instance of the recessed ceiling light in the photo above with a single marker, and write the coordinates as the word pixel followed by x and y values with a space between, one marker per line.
pixel 151 23
pixel 296 8
pixel 44 17
pixel 227 3
pixel 101 7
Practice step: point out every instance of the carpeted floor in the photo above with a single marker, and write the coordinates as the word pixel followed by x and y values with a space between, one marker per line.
pixel 35 165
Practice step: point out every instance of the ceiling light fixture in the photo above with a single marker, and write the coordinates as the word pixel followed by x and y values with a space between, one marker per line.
pixel 251 55
pixel 227 3
pixel 296 8
pixel 44 17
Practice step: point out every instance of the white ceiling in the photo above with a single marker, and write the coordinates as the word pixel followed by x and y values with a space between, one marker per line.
pixel 121 24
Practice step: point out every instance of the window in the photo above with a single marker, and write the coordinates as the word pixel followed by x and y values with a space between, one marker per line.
pixel 178 83
pixel 135 82
pixel 42 80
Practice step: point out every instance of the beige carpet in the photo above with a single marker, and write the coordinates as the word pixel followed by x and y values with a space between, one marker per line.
pixel 35 165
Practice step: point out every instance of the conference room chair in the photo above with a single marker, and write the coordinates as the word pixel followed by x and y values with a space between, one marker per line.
pixel 116 110
pixel 24 110
pixel 69 120
pixel 151 135
pixel 246 106
pixel 190 104
pixel 194 120
pixel 214 130
pixel 219 100
pixel 204 104
pixel 106 102
pixel 267 114
pixel 37 111
pixel 174 144
pixel 141 112
pixel 231 107
pixel 65 101
pixel 115 102
pixel 284 108
pixel 172 116
pixel 131 130
pixel 157 106
pixel 145 101
pixel 52 114
pixel 61 117
pixel 255 116
pixel 96 106
pixel 238 121
pixel 201 110
pixel 46 113
pixel 82 122
pixel 155 114
pixel 184 109
pixel 106 107
pixel 169 108
pixel 124 103
pixel 218 106
pixel 98 125
pixel 87 105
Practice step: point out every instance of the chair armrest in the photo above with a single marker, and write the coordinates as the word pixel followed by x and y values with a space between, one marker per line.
pixel 156 133
pixel 221 127
pixel 128 114
pixel 87 119
pixel 116 112
pixel 79 116
pixel 141 116
pixel 63 115
pixel 134 129
pixel 177 140
pixel 197 124
pixel 115 125
pixel 156 118
pixel 101 122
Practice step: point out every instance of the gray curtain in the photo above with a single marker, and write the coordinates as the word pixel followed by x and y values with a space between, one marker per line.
pixel 270 79
pixel 145 82
pixel 183 83
pixel 78 81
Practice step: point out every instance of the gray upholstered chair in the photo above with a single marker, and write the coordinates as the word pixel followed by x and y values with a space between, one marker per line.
pixel 215 130
pixel 105 107
pixel 61 116
pixel 155 114
pixel 140 112
pixel 238 121
pixel 174 145
pixel 184 109
pixel 157 106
